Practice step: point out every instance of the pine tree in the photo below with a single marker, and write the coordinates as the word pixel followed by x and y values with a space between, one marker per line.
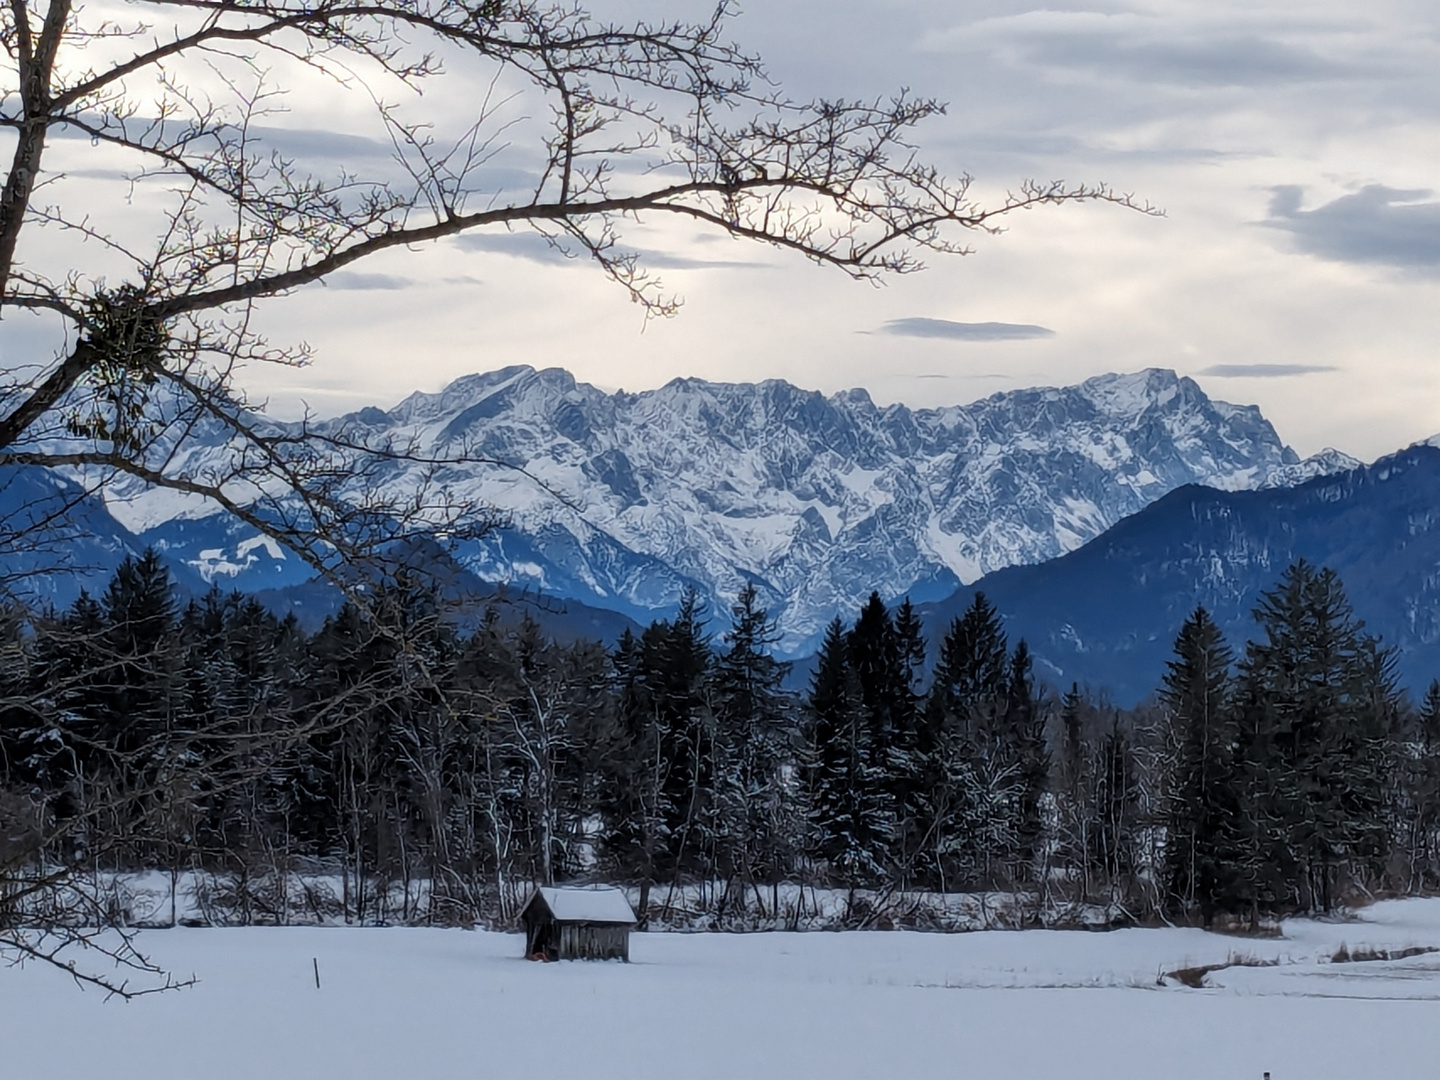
pixel 1199 849
pixel 60 739
pixel 874 658
pixel 681 661
pixel 754 741
pixel 910 773
pixel 1423 787
pixel 634 769
pixel 970 683
pixel 1075 793
pixel 139 613
pixel 1116 802
pixel 982 706
pixel 1025 729
pixel 17 722
pixel 1313 719
pixel 851 814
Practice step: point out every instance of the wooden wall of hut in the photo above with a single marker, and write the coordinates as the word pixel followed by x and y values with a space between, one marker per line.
pixel 593 942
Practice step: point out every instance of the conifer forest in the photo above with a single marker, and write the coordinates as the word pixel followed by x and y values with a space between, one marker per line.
pixel 143 731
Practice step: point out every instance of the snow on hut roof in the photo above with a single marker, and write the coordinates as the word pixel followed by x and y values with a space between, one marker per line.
pixel 601 905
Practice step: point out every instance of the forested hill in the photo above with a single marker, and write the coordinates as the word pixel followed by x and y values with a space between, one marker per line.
pixel 1107 614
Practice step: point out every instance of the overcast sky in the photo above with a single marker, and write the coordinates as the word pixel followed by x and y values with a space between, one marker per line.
pixel 1295 148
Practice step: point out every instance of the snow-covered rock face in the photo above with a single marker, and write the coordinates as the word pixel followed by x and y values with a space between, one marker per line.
pixel 623 499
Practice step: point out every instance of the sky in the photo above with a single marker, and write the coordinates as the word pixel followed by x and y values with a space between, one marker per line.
pixel 1293 147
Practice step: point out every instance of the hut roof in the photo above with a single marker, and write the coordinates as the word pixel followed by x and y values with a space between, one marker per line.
pixel 598 905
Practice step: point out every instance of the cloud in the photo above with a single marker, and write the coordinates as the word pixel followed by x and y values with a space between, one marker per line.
pixel 661 261
pixel 533 246
pixel 297 141
pixel 1190 52
pixel 962 331
pixel 1218 61
pixel 352 279
pixel 1377 226
pixel 1264 371
pixel 519 245
pixel 313 142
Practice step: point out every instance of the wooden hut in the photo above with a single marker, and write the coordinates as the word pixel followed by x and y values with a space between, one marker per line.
pixel 577 924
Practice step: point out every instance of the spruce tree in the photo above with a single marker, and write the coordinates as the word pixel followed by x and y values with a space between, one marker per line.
pixel 1075 803
pixel 874 659
pixel 909 773
pixel 632 770
pixel 1117 806
pixel 142 687
pixel 990 756
pixel 970 683
pixel 1313 716
pixel 754 741
pixel 1200 840
pixel 1025 731
pixel 681 661
pixel 1424 793
pixel 851 814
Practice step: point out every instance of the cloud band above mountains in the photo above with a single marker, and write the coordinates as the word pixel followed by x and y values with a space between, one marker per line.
pixel 1264 371
pixel 964 331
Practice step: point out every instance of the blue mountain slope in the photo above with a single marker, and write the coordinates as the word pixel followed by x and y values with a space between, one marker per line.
pixel 467 597
pixel 226 551
pixel 55 538
pixel 1107 613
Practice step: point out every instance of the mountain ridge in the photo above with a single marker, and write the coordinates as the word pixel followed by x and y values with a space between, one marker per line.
pixel 1107 614
pixel 623 500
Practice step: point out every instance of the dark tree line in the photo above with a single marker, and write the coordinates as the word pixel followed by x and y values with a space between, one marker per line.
pixel 1301 772
pixel 406 757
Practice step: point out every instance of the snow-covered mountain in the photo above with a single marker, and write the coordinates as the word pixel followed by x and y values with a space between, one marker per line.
pixel 622 500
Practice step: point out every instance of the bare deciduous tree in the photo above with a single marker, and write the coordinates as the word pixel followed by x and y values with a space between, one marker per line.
pixel 149 295
pixel 649 120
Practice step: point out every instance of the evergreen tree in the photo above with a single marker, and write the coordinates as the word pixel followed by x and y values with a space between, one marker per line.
pixel 1314 711
pixel 139 635
pixel 1025 729
pixel 17 722
pixel 1200 840
pixel 634 770
pixel 1075 789
pixel 1423 786
pixel 873 652
pixel 680 660
pixel 754 742
pixel 990 755
pixel 58 742
pixel 970 684
pixel 1117 805
pixel 851 814
pixel 910 772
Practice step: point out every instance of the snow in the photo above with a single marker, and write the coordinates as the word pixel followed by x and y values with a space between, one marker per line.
pixel 716 476
pixel 1033 1005
pixel 140 508
pixel 587 905
pixel 952 550
pixel 215 562
pixel 270 544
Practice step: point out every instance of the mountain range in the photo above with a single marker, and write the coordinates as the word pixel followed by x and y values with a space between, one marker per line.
pixel 1095 517
pixel 623 500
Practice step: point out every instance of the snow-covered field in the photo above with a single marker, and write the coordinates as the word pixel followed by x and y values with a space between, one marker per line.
pixel 400 1003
